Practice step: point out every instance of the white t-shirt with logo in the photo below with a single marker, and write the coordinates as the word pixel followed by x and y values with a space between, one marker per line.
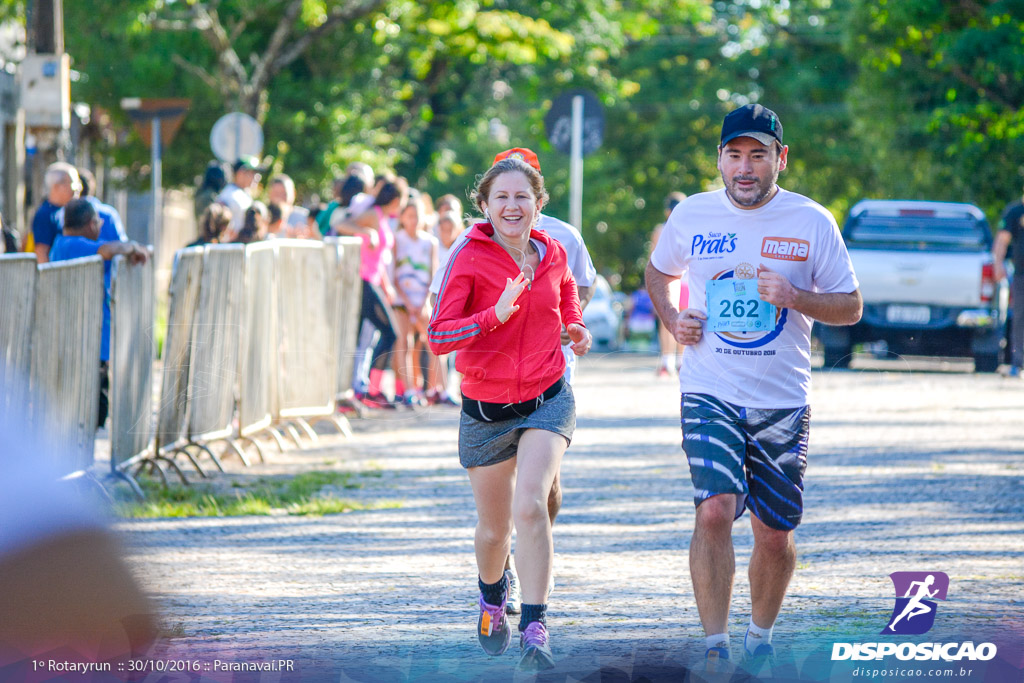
pixel 709 238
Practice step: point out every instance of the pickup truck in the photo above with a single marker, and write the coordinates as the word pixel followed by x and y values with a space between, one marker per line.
pixel 925 272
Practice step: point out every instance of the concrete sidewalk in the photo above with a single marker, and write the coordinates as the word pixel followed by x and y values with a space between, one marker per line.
pixel 907 471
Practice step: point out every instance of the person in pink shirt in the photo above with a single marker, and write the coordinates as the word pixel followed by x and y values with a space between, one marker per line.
pixel 371 226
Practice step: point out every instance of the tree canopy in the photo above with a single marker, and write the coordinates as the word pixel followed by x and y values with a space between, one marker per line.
pixel 911 99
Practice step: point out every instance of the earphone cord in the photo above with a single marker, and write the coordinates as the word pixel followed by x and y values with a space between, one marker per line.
pixel 502 242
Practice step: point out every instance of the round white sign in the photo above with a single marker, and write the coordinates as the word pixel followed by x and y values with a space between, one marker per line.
pixel 236 135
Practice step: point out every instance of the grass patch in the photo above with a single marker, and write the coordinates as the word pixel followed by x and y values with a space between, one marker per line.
pixel 307 494
pixel 160 328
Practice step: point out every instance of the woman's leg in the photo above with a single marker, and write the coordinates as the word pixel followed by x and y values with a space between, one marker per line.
pixel 540 455
pixel 402 351
pixel 380 316
pixel 493 487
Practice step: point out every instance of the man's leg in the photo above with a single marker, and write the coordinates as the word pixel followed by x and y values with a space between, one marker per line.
pixel 712 562
pixel 776 461
pixel 771 567
pixel 714 445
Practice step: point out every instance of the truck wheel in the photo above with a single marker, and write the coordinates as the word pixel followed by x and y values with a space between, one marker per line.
pixel 986 362
pixel 838 357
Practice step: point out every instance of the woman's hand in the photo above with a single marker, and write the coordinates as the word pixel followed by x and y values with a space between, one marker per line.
pixel 581 338
pixel 506 305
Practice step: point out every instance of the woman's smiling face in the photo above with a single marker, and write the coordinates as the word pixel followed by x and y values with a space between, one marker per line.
pixel 511 205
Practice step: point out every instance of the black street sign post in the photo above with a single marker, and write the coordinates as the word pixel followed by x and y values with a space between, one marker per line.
pixel 575 126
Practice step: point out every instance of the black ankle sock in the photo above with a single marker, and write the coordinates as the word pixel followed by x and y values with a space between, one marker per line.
pixel 532 613
pixel 494 593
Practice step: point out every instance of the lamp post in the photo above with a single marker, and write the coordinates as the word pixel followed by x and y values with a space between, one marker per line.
pixel 164 117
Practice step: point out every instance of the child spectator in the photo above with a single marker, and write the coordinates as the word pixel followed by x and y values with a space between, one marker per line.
pixel 415 263
pixel 212 224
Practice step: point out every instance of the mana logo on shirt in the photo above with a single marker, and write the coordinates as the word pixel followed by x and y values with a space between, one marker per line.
pixel 785 248
pixel 713 244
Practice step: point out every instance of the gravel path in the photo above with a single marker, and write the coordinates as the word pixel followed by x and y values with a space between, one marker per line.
pixel 908 471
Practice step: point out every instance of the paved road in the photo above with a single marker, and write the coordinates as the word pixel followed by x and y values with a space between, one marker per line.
pixel 908 471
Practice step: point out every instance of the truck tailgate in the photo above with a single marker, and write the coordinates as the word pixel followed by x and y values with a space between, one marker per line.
pixel 919 277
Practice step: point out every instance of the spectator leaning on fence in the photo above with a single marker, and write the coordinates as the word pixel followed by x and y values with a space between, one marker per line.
pixel 62 185
pixel 112 227
pixel 81 238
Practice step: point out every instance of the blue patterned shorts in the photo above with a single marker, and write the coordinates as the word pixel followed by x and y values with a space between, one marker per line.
pixel 756 453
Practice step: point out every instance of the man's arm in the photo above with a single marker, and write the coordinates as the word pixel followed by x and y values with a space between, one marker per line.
pixel 999 246
pixel 42 253
pixel 831 308
pixel 586 294
pixel 135 252
pixel 686 325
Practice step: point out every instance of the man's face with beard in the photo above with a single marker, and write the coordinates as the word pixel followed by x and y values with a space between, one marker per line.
pixel 750 169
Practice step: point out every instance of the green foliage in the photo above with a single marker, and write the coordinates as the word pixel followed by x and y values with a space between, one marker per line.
pixel 940 97
pixel 880 98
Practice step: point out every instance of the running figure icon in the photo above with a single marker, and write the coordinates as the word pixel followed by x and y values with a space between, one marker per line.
pixel 915 607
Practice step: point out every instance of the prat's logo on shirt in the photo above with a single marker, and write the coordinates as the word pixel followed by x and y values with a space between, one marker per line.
pixel 713 244
pixel 785 248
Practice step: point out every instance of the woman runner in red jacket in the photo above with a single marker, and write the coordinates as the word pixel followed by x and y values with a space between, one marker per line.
pixel 506 291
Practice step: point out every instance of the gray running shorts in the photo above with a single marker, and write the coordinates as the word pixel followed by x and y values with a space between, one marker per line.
pixel 488 443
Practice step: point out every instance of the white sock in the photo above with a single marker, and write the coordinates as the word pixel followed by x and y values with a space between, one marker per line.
pixel 756 636
pixel 717 640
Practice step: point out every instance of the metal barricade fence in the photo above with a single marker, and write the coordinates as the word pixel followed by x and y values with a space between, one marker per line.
pixel 18 284
pixel 172 413
pixel 258 363
pixel 216 342
pixel 64 377
pixel 306 361
pixel 344 297
pixel 132 351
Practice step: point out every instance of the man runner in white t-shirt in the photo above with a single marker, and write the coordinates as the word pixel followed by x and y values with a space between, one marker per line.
pixel 763 263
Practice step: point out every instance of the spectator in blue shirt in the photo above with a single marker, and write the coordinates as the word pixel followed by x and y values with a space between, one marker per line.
pixel 112 228
pixel 62 185
pixel 81 238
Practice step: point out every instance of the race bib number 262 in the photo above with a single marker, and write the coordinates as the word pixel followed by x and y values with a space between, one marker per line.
pixel 735 306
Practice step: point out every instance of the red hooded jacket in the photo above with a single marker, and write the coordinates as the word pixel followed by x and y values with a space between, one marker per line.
pixel 512 361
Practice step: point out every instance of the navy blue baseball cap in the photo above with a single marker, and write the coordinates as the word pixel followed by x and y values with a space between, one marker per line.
pixel 752 121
